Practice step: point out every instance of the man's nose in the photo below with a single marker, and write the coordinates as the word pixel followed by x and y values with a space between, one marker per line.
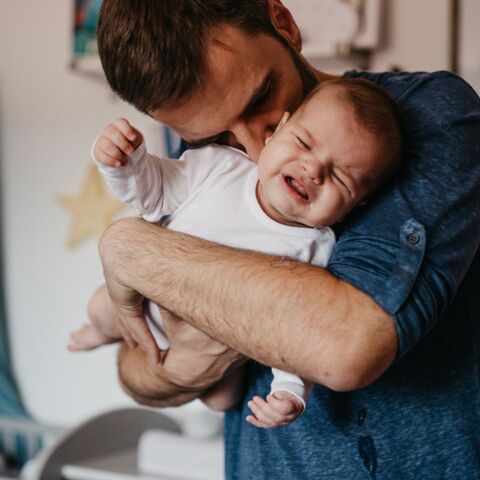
pixel 252 137
pixel 314 169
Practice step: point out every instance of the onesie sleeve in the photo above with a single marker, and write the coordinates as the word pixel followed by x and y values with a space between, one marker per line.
pixel 156 186
pixel 411 246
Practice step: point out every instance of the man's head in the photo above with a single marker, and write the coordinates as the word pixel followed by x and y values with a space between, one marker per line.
pixel 337 148
pixel 213 70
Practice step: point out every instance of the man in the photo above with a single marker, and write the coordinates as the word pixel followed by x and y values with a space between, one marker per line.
pixel 388 331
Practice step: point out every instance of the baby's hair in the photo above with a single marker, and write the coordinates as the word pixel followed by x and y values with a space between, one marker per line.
pixel 374 109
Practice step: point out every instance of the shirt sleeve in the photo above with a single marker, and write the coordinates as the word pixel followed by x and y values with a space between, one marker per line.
pixel 157 186
pixel 411 246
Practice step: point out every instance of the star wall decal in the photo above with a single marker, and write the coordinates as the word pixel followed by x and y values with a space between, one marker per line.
pixel 92 210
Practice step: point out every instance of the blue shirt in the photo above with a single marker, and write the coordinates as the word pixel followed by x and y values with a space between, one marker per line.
pixel 413 250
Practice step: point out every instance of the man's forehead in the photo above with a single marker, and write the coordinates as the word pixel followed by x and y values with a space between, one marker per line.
pixel 228 87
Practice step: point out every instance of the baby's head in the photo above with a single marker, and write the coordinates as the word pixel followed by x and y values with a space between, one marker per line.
pixel 340 145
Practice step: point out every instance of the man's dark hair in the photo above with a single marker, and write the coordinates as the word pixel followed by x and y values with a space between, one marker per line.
pixel 153 51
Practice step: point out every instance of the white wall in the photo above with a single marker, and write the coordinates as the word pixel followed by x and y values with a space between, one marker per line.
pixel 470 43
pixel 48 118
pixel 416 36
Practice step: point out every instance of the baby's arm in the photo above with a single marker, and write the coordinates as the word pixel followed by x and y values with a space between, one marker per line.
pixel 102 329
pixel 284 404
pixel 153 186
pixel 133 176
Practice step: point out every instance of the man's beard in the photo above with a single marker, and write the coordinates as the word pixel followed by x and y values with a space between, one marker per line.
pixel 307 75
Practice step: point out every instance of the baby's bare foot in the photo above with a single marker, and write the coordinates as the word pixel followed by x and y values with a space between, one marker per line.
pixel 87 338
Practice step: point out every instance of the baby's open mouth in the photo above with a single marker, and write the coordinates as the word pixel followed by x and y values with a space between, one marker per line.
pixel 292 183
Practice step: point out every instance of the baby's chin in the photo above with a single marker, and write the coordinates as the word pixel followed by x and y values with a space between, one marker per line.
pixel 299 222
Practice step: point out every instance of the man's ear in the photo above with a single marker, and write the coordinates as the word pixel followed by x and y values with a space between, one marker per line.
pixel 284 23
pixel 282 122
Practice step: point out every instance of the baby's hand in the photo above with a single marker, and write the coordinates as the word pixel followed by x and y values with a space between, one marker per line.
pixel 116 142
pixel 88 337
pixel 280 408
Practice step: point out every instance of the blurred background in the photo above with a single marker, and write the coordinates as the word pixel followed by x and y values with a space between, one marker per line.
pixel 54 101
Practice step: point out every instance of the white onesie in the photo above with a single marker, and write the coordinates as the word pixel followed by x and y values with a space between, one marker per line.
pixel 211 193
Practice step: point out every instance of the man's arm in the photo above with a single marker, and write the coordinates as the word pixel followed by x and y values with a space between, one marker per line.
pixel 340 338
pixel 192 364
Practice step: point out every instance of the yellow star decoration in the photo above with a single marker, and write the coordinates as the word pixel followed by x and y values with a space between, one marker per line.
pixel 92 210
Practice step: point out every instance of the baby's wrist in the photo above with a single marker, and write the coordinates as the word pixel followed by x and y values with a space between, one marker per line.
pixel 294 396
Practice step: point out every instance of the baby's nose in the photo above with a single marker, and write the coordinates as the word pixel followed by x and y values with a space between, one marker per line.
pixel 314 170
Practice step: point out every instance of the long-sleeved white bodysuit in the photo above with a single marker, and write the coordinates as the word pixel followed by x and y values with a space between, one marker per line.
pixel 211 193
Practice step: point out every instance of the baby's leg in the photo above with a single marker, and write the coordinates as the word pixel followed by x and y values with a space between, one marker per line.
pixel 227 392
pixel 102 330
pixel 88 337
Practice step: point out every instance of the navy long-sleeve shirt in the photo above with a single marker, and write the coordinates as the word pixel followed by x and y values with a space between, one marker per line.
pixel 413 250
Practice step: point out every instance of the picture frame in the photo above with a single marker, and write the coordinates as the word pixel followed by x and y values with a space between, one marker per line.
pixel 85 58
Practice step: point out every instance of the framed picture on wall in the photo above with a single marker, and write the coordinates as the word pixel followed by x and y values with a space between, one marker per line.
pixel 84 44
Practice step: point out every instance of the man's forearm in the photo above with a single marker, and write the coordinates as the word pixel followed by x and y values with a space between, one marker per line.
pixel 282 313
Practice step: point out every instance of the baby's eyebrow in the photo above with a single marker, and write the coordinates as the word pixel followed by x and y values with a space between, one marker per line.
pixel 305 131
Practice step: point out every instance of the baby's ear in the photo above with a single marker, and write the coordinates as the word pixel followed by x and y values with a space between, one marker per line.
pixel 282 122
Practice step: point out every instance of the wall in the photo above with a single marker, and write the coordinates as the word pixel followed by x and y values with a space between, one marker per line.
pixel 416 36
pixel 48 119
pixel 469 41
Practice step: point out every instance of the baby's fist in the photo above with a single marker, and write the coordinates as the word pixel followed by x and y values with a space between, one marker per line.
pixel 117 141
pixel 280 408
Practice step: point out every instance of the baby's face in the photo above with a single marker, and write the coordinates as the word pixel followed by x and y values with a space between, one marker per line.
pixel 319 164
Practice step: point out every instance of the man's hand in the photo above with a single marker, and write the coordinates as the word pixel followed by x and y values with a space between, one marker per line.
pixel 116 142
pixel 130 320
pixel 279 408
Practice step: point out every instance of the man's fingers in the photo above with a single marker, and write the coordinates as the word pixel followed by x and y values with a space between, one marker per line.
pixel 143 336
pixel 153 350
pixel 134 329
pixel 125 334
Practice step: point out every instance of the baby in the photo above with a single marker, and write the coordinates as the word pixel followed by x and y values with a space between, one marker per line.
pixel 341 144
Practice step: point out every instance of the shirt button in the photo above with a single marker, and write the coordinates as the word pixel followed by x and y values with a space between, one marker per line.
pixel 413 238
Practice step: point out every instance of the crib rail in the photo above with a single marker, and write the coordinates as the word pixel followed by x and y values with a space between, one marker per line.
pixel 20 440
